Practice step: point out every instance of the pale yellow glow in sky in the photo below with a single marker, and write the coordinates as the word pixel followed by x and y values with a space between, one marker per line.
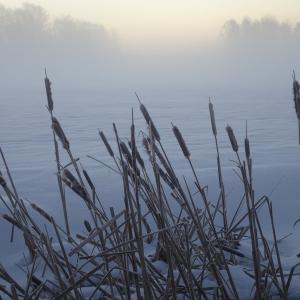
pixel 175 19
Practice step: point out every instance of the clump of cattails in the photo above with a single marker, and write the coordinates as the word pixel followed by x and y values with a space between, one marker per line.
pixel 111 257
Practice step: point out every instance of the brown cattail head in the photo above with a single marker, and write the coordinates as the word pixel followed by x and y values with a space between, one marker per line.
pixel 296 86
pixel 12 221
pixel 60 133
pixel 29 242
pixel 212 118
pixel 87 225
pixel 49 93
pixel 107 145
pixel 69 179
pixel 126 152
pixel 138 156
pixel 67 175
pixel 247 147
pixel 88 179
pixel 41 212
pixel 247 143
pixel 2 181
pixel 147 146
pixel 232 139
pixel 149 121
pixel 166 178
pixel 296 93
pixel 181 142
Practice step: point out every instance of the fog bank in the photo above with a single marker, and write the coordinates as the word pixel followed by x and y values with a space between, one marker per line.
pixel 254 55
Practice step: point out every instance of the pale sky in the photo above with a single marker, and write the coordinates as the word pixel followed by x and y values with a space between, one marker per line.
pixel 133 20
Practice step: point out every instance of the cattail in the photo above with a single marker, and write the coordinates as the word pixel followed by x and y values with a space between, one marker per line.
pixel 147 146
pixel 212 118
pixel 88 179
pixel 138 156
pixel 29 242
pixel 247 143
pixel 181 142
pixel 49 93
pixel 247 147
pixel 60 133
pixel 149 121
pixel 2 181
pixel 166 178
pixel 232 139
pixel 12 221
pixel 126 152
pixel 296 86
pixel 87 225
pixel 41 212
pixel 107 145
pixel 67 175
pixel 14 291
pixel 296 92
pixel 129 159
pixel 73 184
pixel 147 143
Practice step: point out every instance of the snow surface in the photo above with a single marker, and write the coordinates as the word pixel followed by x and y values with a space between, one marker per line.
pixel 26 139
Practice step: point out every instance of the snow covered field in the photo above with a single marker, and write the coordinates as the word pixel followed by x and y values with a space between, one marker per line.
pixel 25 138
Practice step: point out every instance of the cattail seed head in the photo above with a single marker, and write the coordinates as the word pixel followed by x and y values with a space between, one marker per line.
pixel 232 139
pixel 69 179
pixel 12 221
pixel 49 93
pixel 138 156
pixel 87 225
pixel 60 133
pixel 107 145
pixel 212 118
pixel 41 212
pixel 166 178
pixel 2 181
pixel 126 152
pixel 247 147
pixel 67 175
pixel 147 146
pixel 88 179
pixel 149 121
pixel 181 142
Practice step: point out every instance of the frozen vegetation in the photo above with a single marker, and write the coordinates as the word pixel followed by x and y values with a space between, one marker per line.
pixel 160 231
